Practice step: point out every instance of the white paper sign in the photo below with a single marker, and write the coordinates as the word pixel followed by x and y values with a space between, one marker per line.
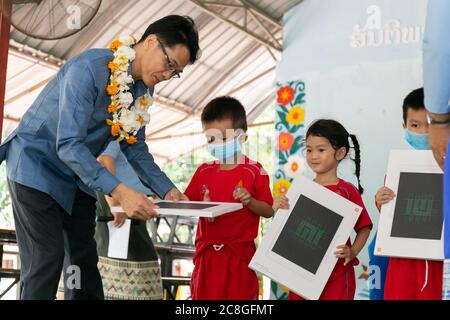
pixel 297 250
pixel 411 225
pixel 118 240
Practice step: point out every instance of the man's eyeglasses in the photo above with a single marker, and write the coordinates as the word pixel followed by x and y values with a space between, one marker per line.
pixel 170 65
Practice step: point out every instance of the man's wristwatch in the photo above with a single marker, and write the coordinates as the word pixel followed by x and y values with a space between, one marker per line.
pixel 433 121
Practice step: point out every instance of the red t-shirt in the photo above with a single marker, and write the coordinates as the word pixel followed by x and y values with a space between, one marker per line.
pixel 236 227
pixel 350 192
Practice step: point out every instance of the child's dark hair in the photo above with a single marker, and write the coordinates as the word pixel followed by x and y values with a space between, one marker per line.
pixel 414 100
pixel 222 108
pixel 338 136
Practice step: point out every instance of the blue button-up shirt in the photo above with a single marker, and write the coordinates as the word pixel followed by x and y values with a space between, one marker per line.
pixel 124 172
pixel 55 146
pixel 436 57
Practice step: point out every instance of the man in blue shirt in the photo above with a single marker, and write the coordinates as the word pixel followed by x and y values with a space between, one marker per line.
pixel 52 169
pixel 436 72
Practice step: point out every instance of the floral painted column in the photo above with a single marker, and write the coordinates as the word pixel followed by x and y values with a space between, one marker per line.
pixel 289 147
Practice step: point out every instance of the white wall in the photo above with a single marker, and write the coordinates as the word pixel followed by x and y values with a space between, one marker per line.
pixel 361 86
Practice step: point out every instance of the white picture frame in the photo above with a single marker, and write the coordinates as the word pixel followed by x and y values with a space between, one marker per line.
pixel 214 209
pixel 403 162
pixel 298 279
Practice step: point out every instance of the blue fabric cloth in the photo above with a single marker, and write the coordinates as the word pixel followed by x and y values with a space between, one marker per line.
pixel 447 205
pixel 55 146
pixel 124 171
pixel 436 57
pixel 436 73
pixel 381 264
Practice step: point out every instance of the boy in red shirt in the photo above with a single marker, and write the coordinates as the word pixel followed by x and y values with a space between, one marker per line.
pixel 225 245
pixel 412 279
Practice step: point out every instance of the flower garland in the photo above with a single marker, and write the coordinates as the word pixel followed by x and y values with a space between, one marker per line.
pixel 126 121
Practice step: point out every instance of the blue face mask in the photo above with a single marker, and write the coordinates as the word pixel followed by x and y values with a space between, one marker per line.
pixel 417 141
pixel 225 152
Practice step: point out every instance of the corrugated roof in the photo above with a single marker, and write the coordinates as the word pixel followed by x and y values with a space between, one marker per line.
pixel 230 61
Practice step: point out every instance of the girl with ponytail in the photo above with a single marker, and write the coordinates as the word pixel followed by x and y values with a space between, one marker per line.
pixel 327 144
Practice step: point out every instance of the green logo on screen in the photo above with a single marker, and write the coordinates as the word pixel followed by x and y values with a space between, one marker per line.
pixel 309 233
pixel 419 206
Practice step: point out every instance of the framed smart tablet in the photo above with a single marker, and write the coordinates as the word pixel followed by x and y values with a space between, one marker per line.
pixel 297 250
pixel 192 208
pixel 411 225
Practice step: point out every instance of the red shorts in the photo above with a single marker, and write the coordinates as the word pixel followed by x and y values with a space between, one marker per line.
pixel 413 279
pixel 340 286
pixel 222 275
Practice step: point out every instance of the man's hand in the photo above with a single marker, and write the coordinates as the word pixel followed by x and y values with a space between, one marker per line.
pixel 438 138
pixel 175 195
pixel 135 204
pixel 119 219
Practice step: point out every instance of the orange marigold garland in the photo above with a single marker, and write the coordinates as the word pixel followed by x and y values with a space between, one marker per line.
pixel 127 118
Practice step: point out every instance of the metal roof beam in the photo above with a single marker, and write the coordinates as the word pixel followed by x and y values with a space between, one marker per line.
pixel 162 101
pixel 210 87
pixel 249 6
pixel 196 133
pixel 173 104
pixel 252 80
pixel 29 90
pixel 11 118
pixel 34 55
pixel 262 34
pixel 263 14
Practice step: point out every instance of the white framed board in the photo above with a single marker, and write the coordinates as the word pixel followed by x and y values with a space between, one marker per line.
pixel 297 250
pixel 411 225
pixel 192 208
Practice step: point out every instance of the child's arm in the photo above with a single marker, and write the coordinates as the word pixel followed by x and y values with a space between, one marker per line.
pixel 383 196
pixel 109 163
pixel 350 253
pixel 258 207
